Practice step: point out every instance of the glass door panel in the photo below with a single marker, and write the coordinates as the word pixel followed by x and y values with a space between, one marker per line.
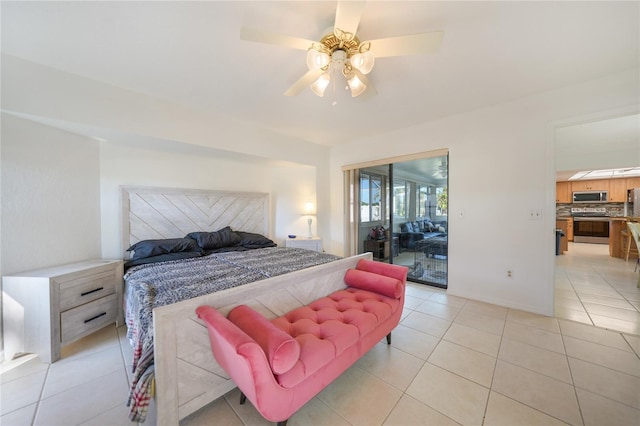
pixel 403 217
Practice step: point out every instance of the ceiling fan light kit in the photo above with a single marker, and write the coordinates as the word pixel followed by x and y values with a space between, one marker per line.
pixel 340 50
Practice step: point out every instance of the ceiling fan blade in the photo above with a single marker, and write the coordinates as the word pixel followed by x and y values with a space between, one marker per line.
pixel 407 45
pixel 263 36
pixel 348 15
pixel 303 82
pixel 370 90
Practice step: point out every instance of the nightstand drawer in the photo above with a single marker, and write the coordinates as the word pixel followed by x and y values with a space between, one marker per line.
pixel 86 289
pixel 87 318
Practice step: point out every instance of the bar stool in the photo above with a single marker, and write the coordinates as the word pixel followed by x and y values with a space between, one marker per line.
pixel 626 240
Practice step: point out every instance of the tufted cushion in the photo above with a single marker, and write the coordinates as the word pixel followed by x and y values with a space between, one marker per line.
pixel 327 327
pixel 364 280
pixel 281 349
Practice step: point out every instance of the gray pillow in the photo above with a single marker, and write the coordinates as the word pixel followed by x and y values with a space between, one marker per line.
pixel 251 240
pixel 224 237
pixel 148 248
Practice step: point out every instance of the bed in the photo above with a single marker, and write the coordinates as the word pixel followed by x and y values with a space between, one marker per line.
pixel 171 351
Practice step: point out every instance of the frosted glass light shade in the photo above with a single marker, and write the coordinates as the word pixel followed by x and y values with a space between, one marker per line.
pixel 321 84
pixel 317 59
pixel 363 62
pixel 356 86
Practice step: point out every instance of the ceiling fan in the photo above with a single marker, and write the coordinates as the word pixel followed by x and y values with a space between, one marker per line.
pixel 443 169
pixel 340 51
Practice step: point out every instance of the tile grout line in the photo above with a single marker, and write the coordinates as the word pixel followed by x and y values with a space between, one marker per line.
pixel 37 408
pixel 495 367
pixel 573 383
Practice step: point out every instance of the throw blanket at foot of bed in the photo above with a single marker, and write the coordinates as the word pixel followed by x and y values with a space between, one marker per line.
pixel 279 365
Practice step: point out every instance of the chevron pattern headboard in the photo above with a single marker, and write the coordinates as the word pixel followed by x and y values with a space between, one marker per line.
pixel 155 213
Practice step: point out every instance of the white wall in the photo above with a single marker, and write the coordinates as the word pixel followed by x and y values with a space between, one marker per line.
pixel 246 157
pixel 50 196
pixel 182 166
pixel 501 167
pixel 292 187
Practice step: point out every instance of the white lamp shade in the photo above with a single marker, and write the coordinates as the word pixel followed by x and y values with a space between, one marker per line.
pixel 316 59
pixel 356 86
pixel 308 208
pixel 321 84
pixel 363 62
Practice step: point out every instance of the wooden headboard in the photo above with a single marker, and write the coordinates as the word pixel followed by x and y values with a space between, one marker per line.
pixel 155 213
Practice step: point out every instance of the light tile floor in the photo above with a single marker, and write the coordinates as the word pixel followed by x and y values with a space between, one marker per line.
pixel 451 361
pixel 593 288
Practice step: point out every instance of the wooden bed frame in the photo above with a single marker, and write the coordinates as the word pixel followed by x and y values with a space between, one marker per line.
pixel 187 375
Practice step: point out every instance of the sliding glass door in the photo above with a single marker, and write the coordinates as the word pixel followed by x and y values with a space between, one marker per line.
pixel 402 216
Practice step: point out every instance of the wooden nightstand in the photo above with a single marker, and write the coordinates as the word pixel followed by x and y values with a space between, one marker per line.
pixel 314 243
pixel 47 308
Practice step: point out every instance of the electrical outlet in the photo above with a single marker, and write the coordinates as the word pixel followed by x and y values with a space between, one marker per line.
pixel 509 273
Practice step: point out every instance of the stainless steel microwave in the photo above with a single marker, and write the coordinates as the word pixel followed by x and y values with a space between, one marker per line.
pixel 590 197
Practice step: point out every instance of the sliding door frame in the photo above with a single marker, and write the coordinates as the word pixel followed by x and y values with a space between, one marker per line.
pixel 351 192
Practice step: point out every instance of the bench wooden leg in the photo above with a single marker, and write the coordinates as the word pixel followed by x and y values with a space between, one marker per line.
pixel 389 339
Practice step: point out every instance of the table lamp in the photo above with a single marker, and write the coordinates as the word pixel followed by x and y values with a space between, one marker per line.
pixel 308 211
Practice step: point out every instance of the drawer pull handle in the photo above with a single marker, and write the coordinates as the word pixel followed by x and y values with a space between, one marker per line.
pixel 96 317
pixel 91 291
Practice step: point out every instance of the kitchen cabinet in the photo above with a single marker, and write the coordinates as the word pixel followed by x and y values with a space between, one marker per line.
pixel 616 242
pixel 590 185
pixel 563 192
pixel 48 308
pixel 617 190
pixel 633 182
pixel 566 224
pixel 570 229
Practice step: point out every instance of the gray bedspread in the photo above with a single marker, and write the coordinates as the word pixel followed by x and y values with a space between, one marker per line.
pixel 158 284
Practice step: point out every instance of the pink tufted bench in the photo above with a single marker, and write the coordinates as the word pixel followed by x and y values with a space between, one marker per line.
pixel 279 365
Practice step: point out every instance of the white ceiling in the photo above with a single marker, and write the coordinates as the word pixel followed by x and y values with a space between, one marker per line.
pixel 606 144
pixel 190 53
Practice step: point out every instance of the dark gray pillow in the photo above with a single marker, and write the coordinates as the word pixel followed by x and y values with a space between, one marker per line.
pixel 224 237
pixel 148 248
pixel 251 240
